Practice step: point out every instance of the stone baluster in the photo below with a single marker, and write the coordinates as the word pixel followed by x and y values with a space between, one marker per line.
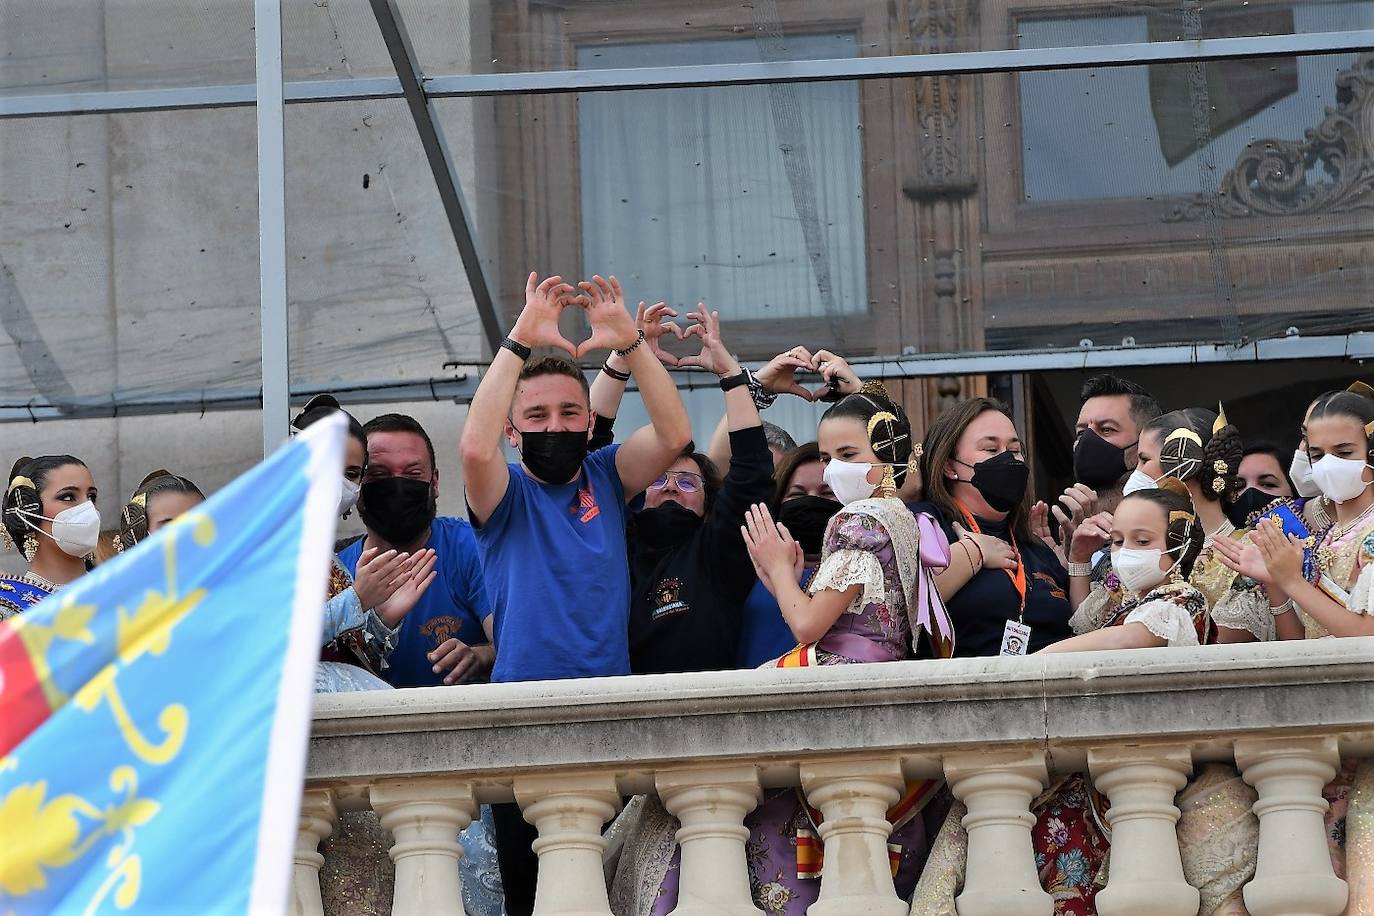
pixel 568 812
pixel 712 804
pixel 1293 874
pixel 998 789
pixel 425 817
pixel 1146 873
pixel 316 824
pixel 853 796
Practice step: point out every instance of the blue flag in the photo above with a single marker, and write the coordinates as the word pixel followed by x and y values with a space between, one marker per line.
pixel 154 714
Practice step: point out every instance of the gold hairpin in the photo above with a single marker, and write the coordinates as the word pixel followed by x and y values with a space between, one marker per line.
pixel 879 417
pixel 1184 432
pixel 1175 486
pixel 1179 515
pixel 141 500
pixel 1221 422
pixel 18 482
pixel 875 388
pixel 1361 388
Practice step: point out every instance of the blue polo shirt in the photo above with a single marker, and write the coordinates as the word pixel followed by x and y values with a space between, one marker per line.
pixel 454 604
pixel 556 571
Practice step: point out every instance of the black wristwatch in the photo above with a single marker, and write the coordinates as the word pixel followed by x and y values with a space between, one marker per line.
pixel 731 382
pixel 517 348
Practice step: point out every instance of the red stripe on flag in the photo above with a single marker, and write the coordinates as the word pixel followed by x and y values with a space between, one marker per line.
pixel 23 707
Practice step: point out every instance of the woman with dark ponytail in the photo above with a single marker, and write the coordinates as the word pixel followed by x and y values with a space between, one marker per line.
pixel 50 517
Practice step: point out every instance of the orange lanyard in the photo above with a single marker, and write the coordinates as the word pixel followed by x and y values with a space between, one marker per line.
pixel 1018 578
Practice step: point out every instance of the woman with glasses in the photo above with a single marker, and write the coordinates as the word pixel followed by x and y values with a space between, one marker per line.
pixel 689 570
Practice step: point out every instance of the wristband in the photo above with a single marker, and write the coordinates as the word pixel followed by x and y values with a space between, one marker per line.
pixel 615 373
pixel 639 340
pixel 1282 608
pixel 517 348
pixel 731 382
pixel 763 399
pixel 1080 569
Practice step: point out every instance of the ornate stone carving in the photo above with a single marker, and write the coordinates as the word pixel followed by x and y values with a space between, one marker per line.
pixel 1271 177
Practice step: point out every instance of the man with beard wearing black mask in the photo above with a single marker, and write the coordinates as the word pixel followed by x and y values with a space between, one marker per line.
pixel 689 569
pixel 446 638
pixel 1113 412
pixel 552 527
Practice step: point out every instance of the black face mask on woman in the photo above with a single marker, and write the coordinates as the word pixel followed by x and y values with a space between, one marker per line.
pixel 1002 480
pixel 1247 504
pixel 806 518
pixel 667 525
pixel 554 457
pixel 398 509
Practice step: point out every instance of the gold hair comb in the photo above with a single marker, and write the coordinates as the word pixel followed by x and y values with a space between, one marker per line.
pixel 1221 422
pixel 1175 486
pixel 18 482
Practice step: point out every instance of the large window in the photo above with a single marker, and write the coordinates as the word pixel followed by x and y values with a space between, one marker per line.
pixel 750 198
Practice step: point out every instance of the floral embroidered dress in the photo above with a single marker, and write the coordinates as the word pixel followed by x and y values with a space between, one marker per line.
pixel 1070 837
pixel 1345 561
pixel 872 543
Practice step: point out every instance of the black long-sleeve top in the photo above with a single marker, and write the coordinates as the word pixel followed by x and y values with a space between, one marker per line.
pixel 687 602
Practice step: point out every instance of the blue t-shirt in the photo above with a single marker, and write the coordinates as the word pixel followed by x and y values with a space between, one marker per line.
pixel 556 571
pixel 764 634
pixel 454 604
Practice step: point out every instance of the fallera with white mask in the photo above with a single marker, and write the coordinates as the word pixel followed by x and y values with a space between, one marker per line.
pixel 1340 479
pixel 848 480
pixel 75 530
pixel 1301 473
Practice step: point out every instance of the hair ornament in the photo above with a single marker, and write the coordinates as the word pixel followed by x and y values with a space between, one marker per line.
pixel 875 389
pixel 1221 423
pixel 18 482
pixel 1221 467
pixel 1361 389
pixel 1175 486
pixel 1218 485
pixel 1185 433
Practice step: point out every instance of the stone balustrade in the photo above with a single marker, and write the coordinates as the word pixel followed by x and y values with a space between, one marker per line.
pixel 996 730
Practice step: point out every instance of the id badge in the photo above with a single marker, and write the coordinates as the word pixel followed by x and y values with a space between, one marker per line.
pixel 1015 638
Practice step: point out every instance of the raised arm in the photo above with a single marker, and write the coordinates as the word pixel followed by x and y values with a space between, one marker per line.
pixel 485 475
pixel 608 388
pixel 649 451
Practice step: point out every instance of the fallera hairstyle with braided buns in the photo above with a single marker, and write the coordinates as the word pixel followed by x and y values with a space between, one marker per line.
pixel 889 430
pixel 1198 444
pixel 23 493
pixel 1182 527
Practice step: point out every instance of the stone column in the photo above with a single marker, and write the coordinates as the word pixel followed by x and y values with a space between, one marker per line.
pixel 853 796
pixel 568 812
pixel 425 817
pixel 1146 873
pixel 1293 874
pixel 998 789
pixel 317 823
pixel 712 804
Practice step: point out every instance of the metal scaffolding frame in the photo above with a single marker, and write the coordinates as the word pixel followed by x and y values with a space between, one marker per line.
pixel 270 93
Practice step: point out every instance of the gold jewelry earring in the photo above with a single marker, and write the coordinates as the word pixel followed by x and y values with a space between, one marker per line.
pixel 889 485
pixel 30 548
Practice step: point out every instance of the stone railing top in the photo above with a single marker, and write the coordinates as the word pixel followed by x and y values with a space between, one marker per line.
pixel 1064 703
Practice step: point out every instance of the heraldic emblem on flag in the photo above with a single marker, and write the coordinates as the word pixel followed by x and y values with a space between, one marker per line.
pixel 154 714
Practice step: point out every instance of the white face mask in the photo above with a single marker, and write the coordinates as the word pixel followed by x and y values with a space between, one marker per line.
pixel 1138 481
pixel 848 480
pixel 75 530
pixel 1340 479
pixel 348 497
pixel 1301 472
pixel 1138 569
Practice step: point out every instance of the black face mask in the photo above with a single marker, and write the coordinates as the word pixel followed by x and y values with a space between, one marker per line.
pixel 1247 504
pixel 397 509
pixel 554 457
pixel 806 517
pixel 1002 480
pixel 1098 463
pixel 667 525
